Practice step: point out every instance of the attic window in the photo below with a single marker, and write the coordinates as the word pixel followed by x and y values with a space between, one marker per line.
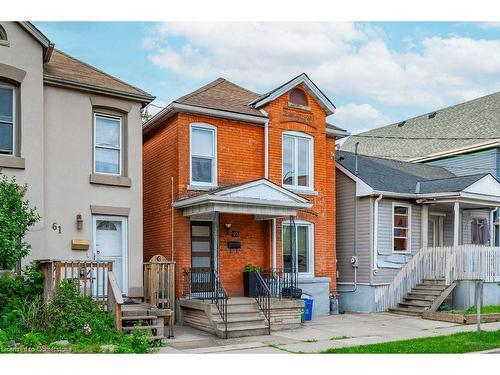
pixel 298 97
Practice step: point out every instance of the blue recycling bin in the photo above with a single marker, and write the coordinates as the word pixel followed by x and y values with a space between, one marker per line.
pixel 308 306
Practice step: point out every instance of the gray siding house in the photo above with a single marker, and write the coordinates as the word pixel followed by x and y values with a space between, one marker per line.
pixel 463 138
pixel 387 210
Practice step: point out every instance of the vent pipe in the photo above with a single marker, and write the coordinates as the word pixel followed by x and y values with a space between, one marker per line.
pixel 356 158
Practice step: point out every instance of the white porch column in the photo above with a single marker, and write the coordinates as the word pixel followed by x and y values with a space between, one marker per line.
pixel 274 243
pixel 456 223
pixel 425 226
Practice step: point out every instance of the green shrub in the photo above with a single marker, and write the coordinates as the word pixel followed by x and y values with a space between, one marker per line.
pixel 135 342
pixel 16 217
pixel 32 340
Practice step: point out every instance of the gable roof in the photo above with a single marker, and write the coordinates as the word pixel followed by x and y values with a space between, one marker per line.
pixel 63 69
pixel 448 185
pixel 310 86
pixel 46 44
pixel 390 175
pixel 458 128
pixel 223 95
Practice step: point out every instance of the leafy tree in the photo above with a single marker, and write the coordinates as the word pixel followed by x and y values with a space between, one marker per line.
pixel 16 217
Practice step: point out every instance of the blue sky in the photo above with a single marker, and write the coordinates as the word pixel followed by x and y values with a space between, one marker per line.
pixel 374 72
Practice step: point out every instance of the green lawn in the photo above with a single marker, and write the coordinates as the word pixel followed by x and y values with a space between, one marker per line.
pixel 492 309
pixel 457 343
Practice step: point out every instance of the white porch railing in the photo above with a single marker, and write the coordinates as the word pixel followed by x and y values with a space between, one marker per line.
pixel 452 263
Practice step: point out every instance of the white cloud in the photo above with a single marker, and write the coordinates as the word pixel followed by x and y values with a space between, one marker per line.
pixel 345 59
pixel 359 117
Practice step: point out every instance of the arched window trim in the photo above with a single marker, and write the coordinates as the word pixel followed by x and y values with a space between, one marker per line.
pixel 298 105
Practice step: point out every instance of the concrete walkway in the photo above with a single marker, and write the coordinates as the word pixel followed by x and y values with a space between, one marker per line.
pixel 350 329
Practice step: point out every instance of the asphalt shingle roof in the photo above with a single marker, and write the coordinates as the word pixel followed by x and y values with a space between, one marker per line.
pixel 467 123
pixel 222 95
pixel 404 177
pixel 66 67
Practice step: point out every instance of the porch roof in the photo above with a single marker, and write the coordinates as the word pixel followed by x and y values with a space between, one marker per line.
pixel 261 198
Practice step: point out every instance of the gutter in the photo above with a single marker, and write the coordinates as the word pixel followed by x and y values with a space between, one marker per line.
pixel 62 82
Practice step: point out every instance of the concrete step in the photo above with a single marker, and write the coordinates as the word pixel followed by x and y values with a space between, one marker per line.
pixel 254 330
pixel 231 323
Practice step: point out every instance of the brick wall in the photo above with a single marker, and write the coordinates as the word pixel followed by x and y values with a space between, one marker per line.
pixel 240 148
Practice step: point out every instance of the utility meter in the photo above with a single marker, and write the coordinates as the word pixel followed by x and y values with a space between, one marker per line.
pixel 355 261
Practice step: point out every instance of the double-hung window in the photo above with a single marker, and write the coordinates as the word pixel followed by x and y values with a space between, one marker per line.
pixel 107 144
pixel 297 165
pixel 7 119
pixel 300 239
pixel 401 221
pixel 203 154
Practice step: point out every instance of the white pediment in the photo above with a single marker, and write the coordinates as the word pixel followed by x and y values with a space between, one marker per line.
pixel 262 190
pixel 487 185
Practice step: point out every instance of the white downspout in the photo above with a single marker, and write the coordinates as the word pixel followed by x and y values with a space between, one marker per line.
pixel 492 226
pixel 266 145
pixel 375 232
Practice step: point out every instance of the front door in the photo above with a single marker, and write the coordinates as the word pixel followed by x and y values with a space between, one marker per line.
pixel 110 245
pixel 435 231
pixel 202 259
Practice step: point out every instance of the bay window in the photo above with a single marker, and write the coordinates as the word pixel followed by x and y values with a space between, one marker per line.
pixel 300 238
pixel 203 154
pixel 401 224
pixel 107 144
pixel 7 119
pixel 297 166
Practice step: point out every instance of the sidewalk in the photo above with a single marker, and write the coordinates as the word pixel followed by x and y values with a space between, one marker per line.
pixel 320 334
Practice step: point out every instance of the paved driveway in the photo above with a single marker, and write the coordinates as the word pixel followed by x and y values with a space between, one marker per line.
pixel 322 333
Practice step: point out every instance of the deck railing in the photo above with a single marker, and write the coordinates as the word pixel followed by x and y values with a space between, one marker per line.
pixel 90 277
pixel 115 300
pixel 159 282
pixel 452 263
pixel 281 284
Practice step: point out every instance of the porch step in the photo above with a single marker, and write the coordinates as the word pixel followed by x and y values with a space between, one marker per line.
pixel 128 329
pixel 250 330
pixel 426 296
pixel 138 317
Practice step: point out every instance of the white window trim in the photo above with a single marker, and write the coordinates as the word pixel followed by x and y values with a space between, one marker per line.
pixel 400 204
pixel 124 221
pixel 310 245
pixel 297 187
pixel 204 126
pixel 14 119
pixel 120 160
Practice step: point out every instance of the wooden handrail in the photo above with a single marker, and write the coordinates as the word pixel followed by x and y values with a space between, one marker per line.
pixel 159 282
pixel 115 299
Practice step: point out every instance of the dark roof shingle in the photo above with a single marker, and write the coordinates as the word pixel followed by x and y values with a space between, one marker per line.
pixel 222 95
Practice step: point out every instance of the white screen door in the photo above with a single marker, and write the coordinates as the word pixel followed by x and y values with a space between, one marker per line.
pixel 110 234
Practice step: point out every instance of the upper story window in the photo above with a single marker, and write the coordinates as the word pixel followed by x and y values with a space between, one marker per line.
pixel 107 144
pixel 7 118
pixel 401 224
pixel 298 237
pixel 298 97
pixel 203 154
pixel 297 161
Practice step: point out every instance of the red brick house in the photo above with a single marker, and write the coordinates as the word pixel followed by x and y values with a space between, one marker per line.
pixel 233 178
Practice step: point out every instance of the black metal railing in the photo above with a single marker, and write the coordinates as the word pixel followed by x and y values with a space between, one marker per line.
pixel 263 299
pixel 205 284
pixel 281 284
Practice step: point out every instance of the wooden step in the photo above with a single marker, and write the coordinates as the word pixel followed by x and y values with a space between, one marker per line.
pixel 406 311
pixel 420 297
pixel 416 303
pixel 430 287
pixel 139 317
pixel 424 292
pixel 128 329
